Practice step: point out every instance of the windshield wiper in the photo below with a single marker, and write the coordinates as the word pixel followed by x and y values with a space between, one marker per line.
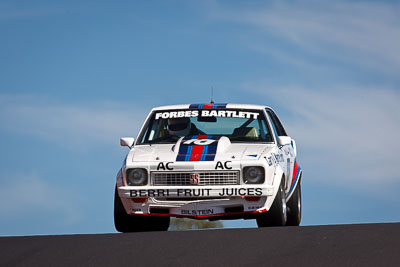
pixel 244 138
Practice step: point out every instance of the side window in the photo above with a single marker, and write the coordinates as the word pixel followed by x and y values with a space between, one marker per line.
pixel 277 123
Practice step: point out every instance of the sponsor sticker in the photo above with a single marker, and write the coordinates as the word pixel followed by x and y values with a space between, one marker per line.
pixel 197 212
pixel 198 192
pixel 206 113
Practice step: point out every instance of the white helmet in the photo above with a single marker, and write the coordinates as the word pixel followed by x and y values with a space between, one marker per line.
pixel 179 126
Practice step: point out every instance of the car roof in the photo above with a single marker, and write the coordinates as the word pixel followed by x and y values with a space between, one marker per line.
pixel 209 105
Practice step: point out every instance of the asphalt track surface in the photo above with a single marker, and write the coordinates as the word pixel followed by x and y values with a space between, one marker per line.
pixel 339 245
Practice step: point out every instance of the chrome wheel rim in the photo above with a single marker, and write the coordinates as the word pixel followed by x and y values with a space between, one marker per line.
pixel 284 206
pixel 299 204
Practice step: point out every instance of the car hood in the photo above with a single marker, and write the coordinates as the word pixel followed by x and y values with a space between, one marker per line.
pixel 207 149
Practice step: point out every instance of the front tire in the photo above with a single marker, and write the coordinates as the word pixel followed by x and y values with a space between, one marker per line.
pixel 277 215
pixel 125 223
pixel 294 208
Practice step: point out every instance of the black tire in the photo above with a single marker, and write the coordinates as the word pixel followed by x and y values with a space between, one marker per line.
pixel 125 223
pixel 277 215
pixel 294 208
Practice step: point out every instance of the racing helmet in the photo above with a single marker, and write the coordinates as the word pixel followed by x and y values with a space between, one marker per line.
pixel 179 126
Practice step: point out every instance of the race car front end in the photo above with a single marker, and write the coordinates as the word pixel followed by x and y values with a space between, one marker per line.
pixel 216 161
pixel 199 190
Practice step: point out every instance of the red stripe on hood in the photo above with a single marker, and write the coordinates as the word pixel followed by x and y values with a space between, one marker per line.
pixel 196 153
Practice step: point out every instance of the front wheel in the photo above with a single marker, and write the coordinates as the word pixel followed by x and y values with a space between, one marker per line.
pixel 129 223
pixel 294 208
pixel 277 215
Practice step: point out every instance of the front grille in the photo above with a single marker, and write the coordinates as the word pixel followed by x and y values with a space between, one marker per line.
pixel 204 178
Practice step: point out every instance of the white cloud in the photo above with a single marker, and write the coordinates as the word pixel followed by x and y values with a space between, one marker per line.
pixel 26 193
pixel 67 124
pixel 360 33
pixel 347 136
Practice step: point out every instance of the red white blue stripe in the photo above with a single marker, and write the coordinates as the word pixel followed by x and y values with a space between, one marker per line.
pixel 190 152
pixel 296 173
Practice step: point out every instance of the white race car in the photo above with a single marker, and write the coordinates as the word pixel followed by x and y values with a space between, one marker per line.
pixel 208 161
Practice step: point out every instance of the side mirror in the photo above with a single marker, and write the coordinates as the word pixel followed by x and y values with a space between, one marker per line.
pixel 284 140
pixel 127 141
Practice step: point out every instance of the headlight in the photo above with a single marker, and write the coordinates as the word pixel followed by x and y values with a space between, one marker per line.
pixel 253 175
pixel 136 177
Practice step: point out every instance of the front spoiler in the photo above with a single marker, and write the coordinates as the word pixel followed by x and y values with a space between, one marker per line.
pixel 220 216
pixel 197 202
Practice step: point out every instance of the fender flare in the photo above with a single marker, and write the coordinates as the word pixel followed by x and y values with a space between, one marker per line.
pixel 278 176
pixel 295 186
pixel 119 178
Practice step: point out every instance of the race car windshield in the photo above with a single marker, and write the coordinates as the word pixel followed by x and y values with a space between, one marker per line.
pixel 236 124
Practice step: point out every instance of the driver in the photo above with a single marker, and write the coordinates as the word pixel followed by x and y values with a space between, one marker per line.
pixel 182 127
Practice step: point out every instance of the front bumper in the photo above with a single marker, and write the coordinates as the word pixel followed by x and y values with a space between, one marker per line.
pixel 199 202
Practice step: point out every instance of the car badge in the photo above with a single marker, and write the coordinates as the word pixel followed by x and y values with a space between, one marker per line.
pixel 194 178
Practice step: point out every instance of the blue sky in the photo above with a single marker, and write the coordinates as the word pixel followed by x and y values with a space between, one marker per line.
pixel 77 75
